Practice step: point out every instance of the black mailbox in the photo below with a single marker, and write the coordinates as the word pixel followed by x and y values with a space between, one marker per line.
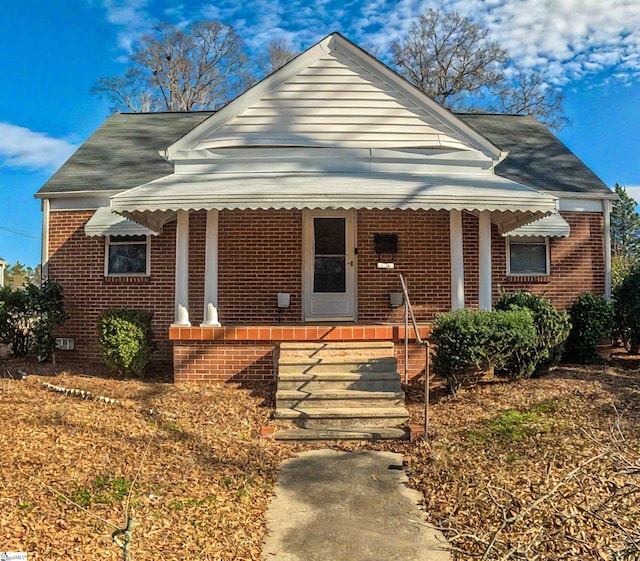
pixel 385 243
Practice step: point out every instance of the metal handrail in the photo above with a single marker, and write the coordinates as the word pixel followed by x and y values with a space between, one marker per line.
pixel 408 312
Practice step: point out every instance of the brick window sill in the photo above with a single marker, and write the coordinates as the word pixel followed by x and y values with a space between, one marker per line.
pixel 529 279
pixel 126 280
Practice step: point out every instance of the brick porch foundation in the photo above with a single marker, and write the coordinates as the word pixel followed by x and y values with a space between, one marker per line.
pixel 243 353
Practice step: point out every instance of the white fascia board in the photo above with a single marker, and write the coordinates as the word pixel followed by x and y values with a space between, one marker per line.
pixel 580 205
pixel 79 203
pixel 580 195
pixel 79 194
pixel 253 94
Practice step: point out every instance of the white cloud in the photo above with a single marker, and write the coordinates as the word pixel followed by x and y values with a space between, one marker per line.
pixel 132 19
pixel 634 193
pixel 21 147
pixel 563 39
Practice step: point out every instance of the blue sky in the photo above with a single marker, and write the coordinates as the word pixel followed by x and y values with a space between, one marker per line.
pixel 53 51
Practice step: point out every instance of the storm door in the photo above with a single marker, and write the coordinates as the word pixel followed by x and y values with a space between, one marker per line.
pixel 329 265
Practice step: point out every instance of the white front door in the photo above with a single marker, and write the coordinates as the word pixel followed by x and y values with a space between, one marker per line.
pixel 329 265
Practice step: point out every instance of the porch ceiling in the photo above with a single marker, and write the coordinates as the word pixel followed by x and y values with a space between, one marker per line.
pixel 512 204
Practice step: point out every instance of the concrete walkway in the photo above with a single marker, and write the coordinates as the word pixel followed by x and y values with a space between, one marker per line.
pixel 348 506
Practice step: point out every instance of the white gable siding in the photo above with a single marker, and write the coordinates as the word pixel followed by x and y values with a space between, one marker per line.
pixel 335 102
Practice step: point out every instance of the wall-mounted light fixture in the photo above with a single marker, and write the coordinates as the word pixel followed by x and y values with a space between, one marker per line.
pixel 284 299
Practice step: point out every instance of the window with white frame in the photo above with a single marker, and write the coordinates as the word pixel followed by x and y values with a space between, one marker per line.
pixel 127 256
pixel 528 256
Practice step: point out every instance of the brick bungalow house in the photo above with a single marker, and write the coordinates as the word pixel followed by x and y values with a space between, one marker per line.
pixel 288 214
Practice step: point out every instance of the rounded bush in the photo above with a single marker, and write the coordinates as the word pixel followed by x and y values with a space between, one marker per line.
pixel 592 319
pixel 125 338
pixel 468 343
pixel 552 329
pixel 626 297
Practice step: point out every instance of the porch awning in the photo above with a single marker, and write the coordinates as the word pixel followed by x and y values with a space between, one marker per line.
pixel 553 226
pixel 107 223
pixel 512 205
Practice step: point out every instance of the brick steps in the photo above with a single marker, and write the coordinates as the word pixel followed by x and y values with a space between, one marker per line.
pixel 339 391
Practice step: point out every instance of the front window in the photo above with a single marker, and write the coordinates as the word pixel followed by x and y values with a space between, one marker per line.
pixel 127 256
pixel 528 256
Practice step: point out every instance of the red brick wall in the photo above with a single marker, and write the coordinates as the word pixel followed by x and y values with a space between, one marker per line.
pixel 261 254
pixel 577 263
pixel 77 262
pixel 423 259
pixel 220 362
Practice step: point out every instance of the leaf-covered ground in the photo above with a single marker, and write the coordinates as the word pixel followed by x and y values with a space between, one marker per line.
pixel 538 469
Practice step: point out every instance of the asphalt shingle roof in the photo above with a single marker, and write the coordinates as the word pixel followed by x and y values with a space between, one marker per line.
pixel 536 157
pixel 123 153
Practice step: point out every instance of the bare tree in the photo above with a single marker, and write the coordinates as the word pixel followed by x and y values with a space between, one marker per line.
pixel 177 69
pixel 454 61
pixel 528 94
pixel 277 55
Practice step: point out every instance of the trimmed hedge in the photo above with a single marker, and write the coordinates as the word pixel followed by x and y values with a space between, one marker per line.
pixel 469 343
pixel 592 319
pixel 552 329
pixel 627 310
pixel 125 338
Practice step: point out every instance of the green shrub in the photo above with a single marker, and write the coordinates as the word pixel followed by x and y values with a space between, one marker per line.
pixel 29 316
pixel 592 319
pixel 627 310
pixel 125 338
pixel 469 343
pixel 552 329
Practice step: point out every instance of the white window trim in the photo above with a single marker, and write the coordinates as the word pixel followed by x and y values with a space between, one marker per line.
pixel 107 240
pixel 531 240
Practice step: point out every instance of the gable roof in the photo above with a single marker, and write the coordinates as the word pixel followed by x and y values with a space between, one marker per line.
pixel 334 94
pixel 537 157
pixel 123 153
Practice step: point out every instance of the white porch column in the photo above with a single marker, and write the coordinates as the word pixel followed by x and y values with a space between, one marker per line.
pixel 484 250
pixel 211 271
pixel 606 210
pixel 182 270
pixel 44 258
pixel 457 260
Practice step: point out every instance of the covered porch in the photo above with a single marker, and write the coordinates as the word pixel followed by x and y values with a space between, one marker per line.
pixel 490 198
pixel 246 243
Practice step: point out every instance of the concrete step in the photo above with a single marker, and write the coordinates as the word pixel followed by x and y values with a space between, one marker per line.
pixel 363 433
pixel 338 398
pixel 363 381
pixel 374 349
pixel 342 417
pixel 302 365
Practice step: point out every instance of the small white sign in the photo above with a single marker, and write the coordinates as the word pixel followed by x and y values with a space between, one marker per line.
pixel 386 265
pixel 13 556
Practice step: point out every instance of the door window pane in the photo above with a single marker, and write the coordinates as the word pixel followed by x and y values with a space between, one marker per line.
pixel 329 273
pixel 329 236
